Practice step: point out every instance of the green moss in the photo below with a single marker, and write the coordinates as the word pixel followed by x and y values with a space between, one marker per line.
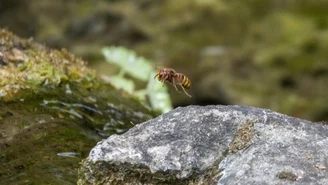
pixel 287 175
pixel 30 66
pixel 35 130
pixel 102 173
pixel 51 103
pixel 136 174
pixel 243 137
pixel 32 154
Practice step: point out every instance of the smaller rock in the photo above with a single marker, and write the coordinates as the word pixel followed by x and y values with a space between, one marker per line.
pixel 212 145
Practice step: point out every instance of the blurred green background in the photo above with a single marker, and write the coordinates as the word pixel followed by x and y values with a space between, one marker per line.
pixel 264 53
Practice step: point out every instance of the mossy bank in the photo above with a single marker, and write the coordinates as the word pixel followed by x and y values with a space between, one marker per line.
pixel 53 110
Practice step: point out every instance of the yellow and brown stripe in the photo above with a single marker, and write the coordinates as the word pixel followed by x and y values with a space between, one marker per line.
pixel 185 82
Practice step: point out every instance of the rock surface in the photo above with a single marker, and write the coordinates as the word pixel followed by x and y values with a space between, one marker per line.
pixel 212 145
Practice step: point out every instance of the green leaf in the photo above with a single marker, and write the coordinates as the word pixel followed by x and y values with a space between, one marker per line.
pixel 141 69
pixel 138 67
pixel 158 95
pixel 122 83
pixel 141 94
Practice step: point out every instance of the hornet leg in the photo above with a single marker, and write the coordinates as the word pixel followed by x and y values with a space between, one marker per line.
pixel 185 91
pixel 174 84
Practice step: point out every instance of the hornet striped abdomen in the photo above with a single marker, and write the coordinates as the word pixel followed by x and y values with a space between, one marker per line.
pixel 185 82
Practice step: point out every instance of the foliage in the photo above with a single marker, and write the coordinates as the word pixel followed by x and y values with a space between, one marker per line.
pixel 138 68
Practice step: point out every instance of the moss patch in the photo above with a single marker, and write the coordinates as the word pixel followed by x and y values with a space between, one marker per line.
pixel 116 174
pixel 287 175
pixel 53 111
pixel 27 66
pixel 243 137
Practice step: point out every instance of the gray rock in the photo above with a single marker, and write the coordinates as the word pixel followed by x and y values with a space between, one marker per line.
pixel 212 145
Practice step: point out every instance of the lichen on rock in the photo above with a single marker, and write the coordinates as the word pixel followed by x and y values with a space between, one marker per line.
pixel 243 137
pixel 26 66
